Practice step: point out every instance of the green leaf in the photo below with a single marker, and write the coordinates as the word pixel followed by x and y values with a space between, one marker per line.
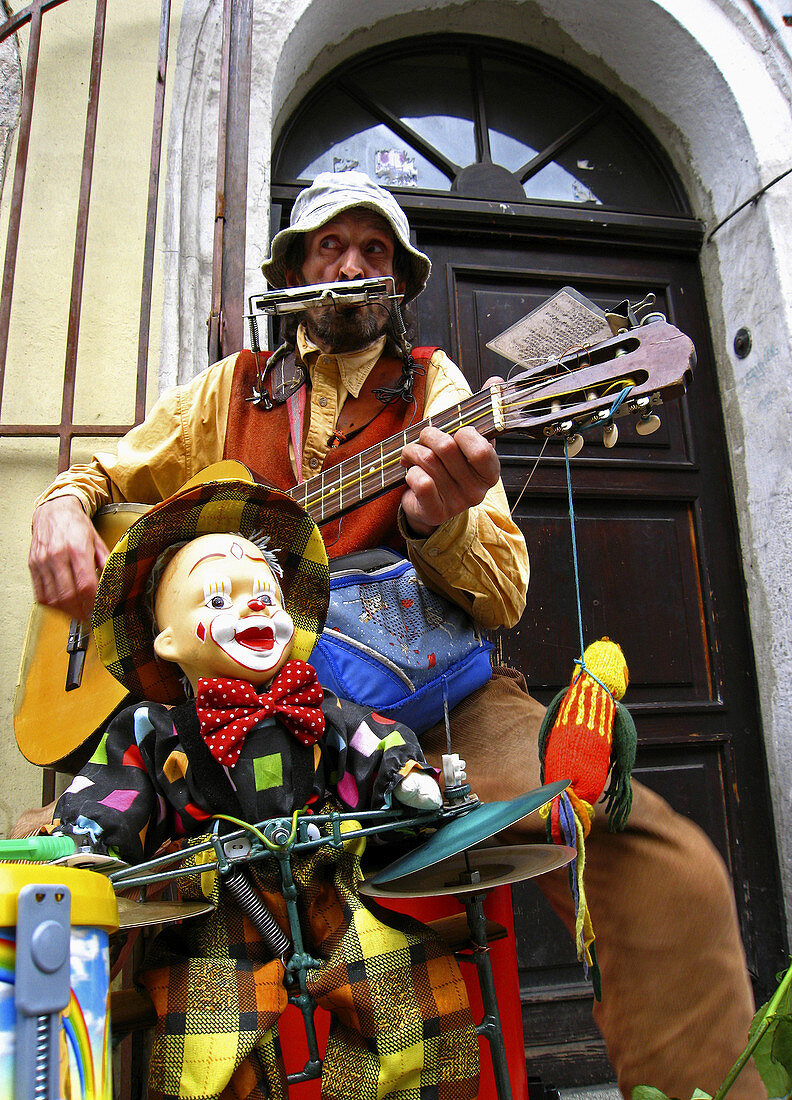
pixel 773 1053
pixel 699 1094
pixel 781 1051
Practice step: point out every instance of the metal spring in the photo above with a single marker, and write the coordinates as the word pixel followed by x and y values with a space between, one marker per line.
pixel 254 333
pixel 248 900
pixel 41 1080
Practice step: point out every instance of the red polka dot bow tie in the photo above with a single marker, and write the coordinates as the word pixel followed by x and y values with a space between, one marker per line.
pixel 228 709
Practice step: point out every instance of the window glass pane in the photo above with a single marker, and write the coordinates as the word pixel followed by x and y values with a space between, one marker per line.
pixel 529 106
pixel 527 110
pixel 432 94
pixel 335 134
pixel 608 167
pixel 555 183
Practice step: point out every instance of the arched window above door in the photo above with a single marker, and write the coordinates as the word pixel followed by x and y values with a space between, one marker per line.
pixel 480 120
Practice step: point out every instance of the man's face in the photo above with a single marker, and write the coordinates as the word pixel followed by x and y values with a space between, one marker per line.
pixel 220 612
pixel 357 244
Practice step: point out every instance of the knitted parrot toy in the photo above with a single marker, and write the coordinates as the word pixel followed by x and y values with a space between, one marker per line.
pixel 586 734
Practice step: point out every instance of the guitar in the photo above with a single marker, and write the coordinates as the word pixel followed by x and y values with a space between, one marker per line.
pixel 63 690
pixel 628 374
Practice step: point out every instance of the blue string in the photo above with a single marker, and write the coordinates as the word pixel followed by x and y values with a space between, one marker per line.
pixel 574 550
pixel 609 419
pixel 584 668
pixel 602 421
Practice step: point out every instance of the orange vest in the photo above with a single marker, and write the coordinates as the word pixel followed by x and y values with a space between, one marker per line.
pixel 258 438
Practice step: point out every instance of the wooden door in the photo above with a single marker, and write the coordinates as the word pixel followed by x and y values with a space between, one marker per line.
pixel 660 573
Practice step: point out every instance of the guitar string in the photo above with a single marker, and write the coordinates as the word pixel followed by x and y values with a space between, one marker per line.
pixel 475 413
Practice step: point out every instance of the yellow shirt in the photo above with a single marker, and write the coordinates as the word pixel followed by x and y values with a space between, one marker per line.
pixel 478 558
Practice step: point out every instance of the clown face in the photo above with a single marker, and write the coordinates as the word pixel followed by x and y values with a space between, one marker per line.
pixel 220 612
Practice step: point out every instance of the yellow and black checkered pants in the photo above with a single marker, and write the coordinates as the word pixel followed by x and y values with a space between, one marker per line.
pixel 401 1024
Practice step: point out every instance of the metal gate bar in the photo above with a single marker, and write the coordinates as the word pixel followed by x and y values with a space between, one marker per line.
pixel 151 213
pixel 66 430
pixel 83 209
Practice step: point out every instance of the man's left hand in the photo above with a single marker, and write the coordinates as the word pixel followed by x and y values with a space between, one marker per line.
pixel 446 475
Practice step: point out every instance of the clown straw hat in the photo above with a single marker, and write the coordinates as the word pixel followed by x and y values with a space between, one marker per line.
pixel 122 623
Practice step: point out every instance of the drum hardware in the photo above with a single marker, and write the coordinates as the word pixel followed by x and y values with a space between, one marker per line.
pixel 228 851
pixel 297 974
pixel 144 914
pixel 467 874
pixel 86 860
pixel 477 869
pixel 465 832
pixel 448 862
pixel 251 903
pixel 232 851
pixel 440 856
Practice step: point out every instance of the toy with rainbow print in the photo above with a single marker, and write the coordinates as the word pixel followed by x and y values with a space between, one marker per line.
pixel 84 1069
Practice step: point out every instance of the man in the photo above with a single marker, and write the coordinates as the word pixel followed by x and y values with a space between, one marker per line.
pixel 676 998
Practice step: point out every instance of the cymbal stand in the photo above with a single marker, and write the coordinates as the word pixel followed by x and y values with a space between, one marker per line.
pixel 296 970
pixel 234 851
pixel 490 1026
pixel 458 792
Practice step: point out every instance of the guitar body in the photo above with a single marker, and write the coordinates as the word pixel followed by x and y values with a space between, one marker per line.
pixel 49 722
pixel 59 728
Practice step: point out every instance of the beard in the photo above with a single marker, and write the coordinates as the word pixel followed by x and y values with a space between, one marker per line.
pixel 344 330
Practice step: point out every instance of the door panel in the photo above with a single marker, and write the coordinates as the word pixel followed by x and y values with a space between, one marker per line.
pixel 667 652
pixel 660 573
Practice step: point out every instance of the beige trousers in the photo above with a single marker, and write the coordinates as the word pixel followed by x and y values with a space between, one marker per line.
pixel 676 998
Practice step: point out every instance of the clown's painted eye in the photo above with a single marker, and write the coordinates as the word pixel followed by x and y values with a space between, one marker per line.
pixel 262 591
pixel 218 602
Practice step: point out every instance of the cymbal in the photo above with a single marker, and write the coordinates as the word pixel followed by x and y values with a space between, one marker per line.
pixel 495 866
pixel 464 832
pixel 91 861
pixel 142 914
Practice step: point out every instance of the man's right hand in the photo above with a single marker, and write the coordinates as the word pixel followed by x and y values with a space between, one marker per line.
pixel 65 554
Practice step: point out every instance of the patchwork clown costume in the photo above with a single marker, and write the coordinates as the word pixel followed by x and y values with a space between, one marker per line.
pixel 153 778
pixel 252 749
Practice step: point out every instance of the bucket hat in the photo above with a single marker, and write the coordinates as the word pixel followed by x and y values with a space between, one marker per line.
pixel 122 624
pixel 330 194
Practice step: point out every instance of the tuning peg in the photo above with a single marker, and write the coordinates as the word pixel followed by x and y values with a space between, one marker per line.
pixel 648 424
pixel 574 444
pixel 610 436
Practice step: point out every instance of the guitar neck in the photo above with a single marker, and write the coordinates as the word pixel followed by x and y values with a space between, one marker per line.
pixel 583 387
pixel 371 473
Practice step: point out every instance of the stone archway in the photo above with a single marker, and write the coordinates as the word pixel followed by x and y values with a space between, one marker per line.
pixel 694 73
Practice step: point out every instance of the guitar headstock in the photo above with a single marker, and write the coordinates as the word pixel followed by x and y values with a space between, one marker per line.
pixel 631 373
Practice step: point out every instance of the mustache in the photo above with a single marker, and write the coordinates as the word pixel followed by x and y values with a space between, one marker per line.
pixel 346 330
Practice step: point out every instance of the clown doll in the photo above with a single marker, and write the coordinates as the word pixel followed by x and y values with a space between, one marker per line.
pixel 208 609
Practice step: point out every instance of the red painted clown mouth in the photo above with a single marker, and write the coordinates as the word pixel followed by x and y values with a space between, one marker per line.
pixel 260 638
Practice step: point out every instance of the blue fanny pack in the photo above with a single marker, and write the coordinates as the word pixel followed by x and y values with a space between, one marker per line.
pixel 392 644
